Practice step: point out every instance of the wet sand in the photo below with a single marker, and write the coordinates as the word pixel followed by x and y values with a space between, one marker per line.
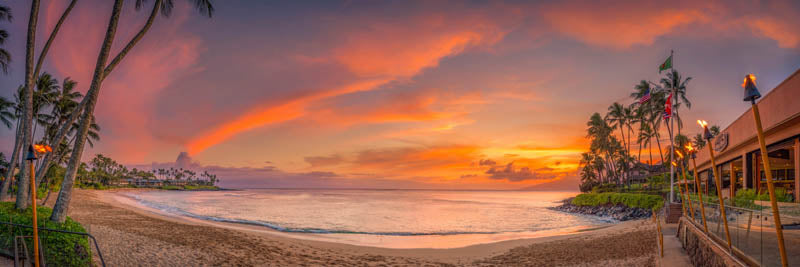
pixel 130 235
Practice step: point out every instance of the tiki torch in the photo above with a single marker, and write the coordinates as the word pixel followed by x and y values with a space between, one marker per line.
pixel 707 135
pixel 751 94
pixel 680 191
pixel 31 157
pixel 686 184
pixel 693 153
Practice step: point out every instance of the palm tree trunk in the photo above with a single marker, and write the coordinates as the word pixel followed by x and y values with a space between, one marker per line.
pixel 12 163
pixel 52 37
pixel 45 162
pixel 62 203
pixel 639 157
pixel 650 151
pixel 27 121
pixel 660 153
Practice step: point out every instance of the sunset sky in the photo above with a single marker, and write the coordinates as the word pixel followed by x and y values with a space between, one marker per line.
pixel 399 94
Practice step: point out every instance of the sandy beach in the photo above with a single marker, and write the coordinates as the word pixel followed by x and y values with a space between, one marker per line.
pixel 130 235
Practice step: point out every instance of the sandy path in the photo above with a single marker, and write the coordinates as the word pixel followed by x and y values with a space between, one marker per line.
pixel 130 236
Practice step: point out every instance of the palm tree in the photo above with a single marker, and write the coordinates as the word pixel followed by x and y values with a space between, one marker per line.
pixel 630 117
pixel 7 113
pixel 714 129
pixel 103 69
pixel 699 141
pixel 677 84
pixel 646 135
pixel 5 57
pixel 27 111
pixel 618 119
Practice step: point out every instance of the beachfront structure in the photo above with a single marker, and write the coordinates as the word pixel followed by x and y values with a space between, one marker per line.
pixel 737 150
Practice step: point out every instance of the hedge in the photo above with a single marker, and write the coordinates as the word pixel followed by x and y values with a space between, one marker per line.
pixel 60 249
pixel 644 201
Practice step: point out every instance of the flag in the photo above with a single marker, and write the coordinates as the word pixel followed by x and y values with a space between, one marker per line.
pixel 666 65
pixel 645 96
pixel 668 107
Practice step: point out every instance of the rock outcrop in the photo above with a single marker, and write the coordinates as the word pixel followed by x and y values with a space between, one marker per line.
pixel 617 212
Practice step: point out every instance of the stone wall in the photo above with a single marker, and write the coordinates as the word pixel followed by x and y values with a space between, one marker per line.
pixel 701 249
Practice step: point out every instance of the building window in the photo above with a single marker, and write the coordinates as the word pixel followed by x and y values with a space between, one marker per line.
pixel 781 160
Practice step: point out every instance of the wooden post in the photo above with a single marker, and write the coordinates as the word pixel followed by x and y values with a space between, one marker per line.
pixel 746 183
pixel 699 195
pixel 35 223
pixel 797 170
pixel 718 180
pixel 658 231
pixel 770 186
pixel 733 181
pixel 683 202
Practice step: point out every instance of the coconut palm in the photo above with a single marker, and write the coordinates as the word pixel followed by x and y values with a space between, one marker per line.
pixel 675 82
pixel 618 119
pixel 103 69
pixel 629 114
pixel 646 135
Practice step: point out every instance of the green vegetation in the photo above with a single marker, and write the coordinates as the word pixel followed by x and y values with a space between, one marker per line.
pixel 200 187
pixel 652 202
pixel 746 198
pixel 60 249
pixel 171 187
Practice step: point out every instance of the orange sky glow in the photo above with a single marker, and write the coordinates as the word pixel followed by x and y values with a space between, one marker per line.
pixel 430 94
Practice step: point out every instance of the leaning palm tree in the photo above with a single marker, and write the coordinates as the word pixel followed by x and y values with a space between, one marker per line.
pixel 24 136
pixel 102 70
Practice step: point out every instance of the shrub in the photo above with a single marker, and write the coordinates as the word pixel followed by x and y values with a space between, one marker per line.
pixel 605 188
pixel 60 249
pixel 657 179
pixel 200 187
pixel 171 187
pixel 631 200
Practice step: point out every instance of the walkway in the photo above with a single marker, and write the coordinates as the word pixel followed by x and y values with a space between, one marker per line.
pixel 674 254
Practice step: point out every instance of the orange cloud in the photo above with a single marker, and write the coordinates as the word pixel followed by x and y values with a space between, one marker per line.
pixel 383 53
pixel 257 118
pixel 786 34
pixel 619 25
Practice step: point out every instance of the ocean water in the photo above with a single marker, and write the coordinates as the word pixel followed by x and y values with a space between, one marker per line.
pixel 383 218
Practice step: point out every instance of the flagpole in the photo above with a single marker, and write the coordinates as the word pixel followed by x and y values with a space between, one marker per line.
pixel 671 131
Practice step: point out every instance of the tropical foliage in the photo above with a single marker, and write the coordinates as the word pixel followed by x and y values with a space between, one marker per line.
pixel 611 159
pixel 60 249
pixel 55 114
pixel 651 202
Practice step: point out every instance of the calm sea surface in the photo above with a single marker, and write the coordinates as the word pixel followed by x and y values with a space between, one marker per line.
pixel 385 218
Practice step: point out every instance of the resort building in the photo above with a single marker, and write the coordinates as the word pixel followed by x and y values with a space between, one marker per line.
pixel 737 152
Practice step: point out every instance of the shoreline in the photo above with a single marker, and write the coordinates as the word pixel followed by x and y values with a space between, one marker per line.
pixel 293 249
pixel 410 241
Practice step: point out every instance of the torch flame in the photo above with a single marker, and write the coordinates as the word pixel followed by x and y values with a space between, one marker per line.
pixel 702 123
pixel 42 148
pixel 690 148
pixel 751 77
pixel 679 153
